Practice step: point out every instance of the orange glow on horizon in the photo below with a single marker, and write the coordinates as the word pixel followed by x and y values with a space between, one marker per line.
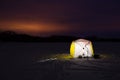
pixel 32 28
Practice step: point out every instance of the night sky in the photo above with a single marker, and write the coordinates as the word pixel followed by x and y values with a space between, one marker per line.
pixel 61 17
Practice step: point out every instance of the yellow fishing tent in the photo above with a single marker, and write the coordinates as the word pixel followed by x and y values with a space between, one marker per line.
pixel 81 48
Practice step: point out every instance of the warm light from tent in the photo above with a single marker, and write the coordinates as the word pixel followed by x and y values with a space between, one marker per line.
pixel 81 48
pixel 91 48
pixel 72 49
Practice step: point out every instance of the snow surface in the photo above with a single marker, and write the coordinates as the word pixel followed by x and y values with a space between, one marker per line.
pixel 33 61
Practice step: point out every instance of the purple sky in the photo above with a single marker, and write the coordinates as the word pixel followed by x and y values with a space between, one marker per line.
pixel 61 17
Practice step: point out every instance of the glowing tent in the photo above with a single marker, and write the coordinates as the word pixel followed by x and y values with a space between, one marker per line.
pixel 81 48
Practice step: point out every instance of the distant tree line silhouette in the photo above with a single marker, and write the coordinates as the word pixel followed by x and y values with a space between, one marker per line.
pixel 10 36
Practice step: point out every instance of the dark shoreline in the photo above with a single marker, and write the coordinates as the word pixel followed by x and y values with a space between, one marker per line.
pixel 9 36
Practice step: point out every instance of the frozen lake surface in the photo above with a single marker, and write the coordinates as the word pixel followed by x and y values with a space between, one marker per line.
pixel 32 61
